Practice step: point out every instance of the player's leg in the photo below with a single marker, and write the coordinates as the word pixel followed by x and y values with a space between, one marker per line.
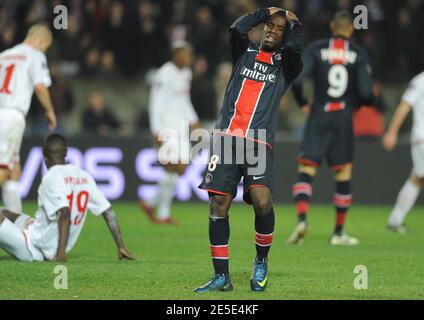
pixel 10 215
pixel 219 231
pixel 302 189
pixel 10 190
pixel 5 147
pixel 168 189
pixel 11 133
pixel 220 180
pixel 264 228
pixel 405 201
pixel 4 174
pixel 342 200
pixel 21 220
pixel 164 207
pixel 258 183
pixel 302 192
pixel 409 192
pixel 314 146
pixel 219 235
pixel 264 220
pixel 163 197
pixel 5 160
pixel 175 156
pixel 340 158
pixel 12 240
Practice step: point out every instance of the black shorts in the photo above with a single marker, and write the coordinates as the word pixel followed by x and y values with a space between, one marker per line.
pixel 230 159
pixel 328 135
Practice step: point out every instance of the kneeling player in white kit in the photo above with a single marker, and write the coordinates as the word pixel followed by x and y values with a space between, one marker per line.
pixel 64 196
pixel 23 70
pixel 413 99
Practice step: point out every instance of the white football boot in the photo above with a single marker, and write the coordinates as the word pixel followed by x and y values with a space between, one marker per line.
pixel 343 240
pixel 298 235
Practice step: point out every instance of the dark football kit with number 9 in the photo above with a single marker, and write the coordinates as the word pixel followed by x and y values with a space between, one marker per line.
pixel 342 81
pixel 249 114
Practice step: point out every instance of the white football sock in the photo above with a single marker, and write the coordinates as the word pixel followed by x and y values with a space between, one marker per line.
pixel 164 207
pixel 11 196
pixel 161 187
pixel 405 201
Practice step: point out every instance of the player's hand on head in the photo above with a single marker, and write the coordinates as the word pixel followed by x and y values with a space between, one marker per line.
pixel 389 141
pixel 51 120
pixel 123 253
pixel 291 17
pixel 274 10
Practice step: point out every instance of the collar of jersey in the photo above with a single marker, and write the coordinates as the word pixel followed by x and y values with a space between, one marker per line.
pixel 265 57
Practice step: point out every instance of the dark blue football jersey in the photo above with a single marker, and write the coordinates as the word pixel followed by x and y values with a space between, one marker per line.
pixel 258 81
pixel 341 76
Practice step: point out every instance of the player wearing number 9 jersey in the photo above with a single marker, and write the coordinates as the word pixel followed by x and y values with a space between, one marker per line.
pixel 342 82
pixel 65 195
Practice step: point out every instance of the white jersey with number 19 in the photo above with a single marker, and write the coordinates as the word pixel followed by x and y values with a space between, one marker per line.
pixel 63 186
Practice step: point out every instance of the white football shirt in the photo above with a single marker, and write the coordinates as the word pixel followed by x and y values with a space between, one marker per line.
pixel 21 68
pixel 170 102
pixel 63 186
pixel 414 96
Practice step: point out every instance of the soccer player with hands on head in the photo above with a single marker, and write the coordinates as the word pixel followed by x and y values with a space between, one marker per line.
pixel 260 77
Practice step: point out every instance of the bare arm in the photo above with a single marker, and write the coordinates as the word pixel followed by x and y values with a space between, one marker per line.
pixel 43 96
pixel 390 138
pixel 110 218
pixel 64 225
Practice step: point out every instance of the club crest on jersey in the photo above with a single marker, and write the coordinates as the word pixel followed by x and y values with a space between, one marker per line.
pixel 258 73
pixel 208 178
pixel 278 57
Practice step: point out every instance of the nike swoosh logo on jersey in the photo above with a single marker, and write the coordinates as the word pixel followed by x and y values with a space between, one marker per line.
pixel 257 178
pixel 251 50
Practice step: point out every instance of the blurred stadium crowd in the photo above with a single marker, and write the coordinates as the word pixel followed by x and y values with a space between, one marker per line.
pixel 125 40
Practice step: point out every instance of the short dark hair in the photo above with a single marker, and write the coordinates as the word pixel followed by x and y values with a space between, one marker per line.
pixel 55 143
pixel 281 13
pixel 343 15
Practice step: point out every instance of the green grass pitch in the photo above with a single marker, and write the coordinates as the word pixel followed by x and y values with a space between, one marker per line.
pixel 174 260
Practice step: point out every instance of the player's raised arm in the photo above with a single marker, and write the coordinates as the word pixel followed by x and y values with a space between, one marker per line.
pixel 410 98
pixel 238 31
pixel 364 80
pixel 64 224
pixel 112 223
pixel 43 95
pixel 157 103
pixel 297 86
pixel 292 61
pixel 40 38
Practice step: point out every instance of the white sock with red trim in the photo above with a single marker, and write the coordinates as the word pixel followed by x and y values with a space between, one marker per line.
pixel 404 203
pixel 168 192
pixel 11 196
